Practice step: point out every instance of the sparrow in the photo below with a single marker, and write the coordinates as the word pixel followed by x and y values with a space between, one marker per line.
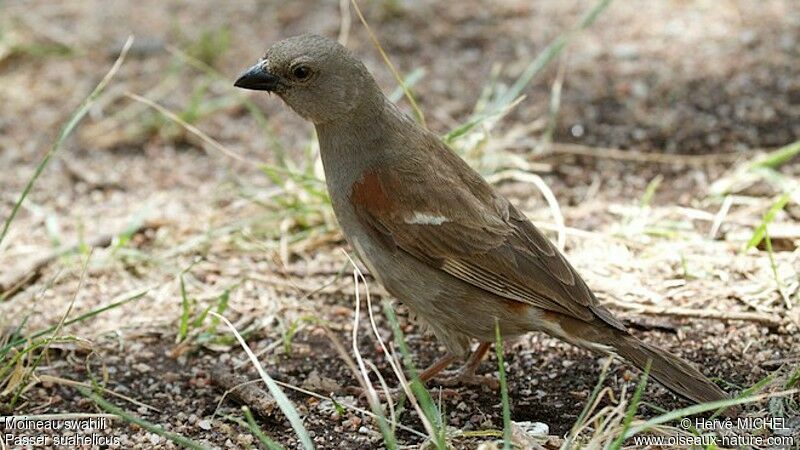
pixel 434 233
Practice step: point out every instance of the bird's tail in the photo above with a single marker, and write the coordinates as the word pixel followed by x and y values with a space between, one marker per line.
pixel 666 368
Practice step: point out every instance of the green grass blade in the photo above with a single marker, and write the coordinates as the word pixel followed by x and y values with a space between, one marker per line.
pixel 550 52
pixel 222 305
pixel 527 75
pixel 130 418
pixel 501 367
pixel 632 407
pixel 750 391
pixel 136 296
pixel 777 158
pixel 201 318
pixel 277 393
pixel 14 336
pixel 758 234
pixel 411 79
pixel 183 329
pixel 64 133
pixel 426 402
pixel 56 332
pixel 650 191
pixel 774 266
pixel 794 378
pixel 258 433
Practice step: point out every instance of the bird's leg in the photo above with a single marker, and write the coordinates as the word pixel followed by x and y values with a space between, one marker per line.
pixel 437 366
pixel 475 359
pixel 466 375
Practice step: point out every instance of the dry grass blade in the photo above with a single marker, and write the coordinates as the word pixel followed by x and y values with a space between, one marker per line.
pixel 388 436
pixel 344 24
pixel 252 108
pixel 431 412
pixel 719 217
pixel 56 331
pixel 283 402
pixel 677 311
pixel 219 147
pixel 372 396
pixel 350 407
pixel 117 302
pixel 340 349
pixel 81 281
pixel 591 405
pixel 387 392
pixel 632 406
pixel 409 96
pixel 555 104
pixel 401 378
pixel 192 129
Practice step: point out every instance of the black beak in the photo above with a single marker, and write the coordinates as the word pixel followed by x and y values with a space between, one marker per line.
pixel 257 79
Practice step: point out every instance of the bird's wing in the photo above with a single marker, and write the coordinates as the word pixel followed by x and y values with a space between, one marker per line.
pixel 466 229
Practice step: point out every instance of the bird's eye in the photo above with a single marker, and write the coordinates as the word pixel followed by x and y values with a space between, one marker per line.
pixel 301 72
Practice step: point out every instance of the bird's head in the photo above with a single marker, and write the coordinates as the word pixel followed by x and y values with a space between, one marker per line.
pixel 314 75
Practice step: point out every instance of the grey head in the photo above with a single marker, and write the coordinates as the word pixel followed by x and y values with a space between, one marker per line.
pixel 316 76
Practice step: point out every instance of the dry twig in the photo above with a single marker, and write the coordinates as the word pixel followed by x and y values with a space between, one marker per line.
pixel 641 157
pixel 242 390
pixel 676 311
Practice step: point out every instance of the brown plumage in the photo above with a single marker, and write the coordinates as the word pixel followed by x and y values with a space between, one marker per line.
pixel 433 232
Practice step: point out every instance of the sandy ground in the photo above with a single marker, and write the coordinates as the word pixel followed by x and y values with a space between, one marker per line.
pixel 670 79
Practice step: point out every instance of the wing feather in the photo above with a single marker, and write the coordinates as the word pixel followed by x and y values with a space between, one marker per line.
pixel 479 238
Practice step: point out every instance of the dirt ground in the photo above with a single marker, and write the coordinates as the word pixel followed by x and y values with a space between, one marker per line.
pixel 688 91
